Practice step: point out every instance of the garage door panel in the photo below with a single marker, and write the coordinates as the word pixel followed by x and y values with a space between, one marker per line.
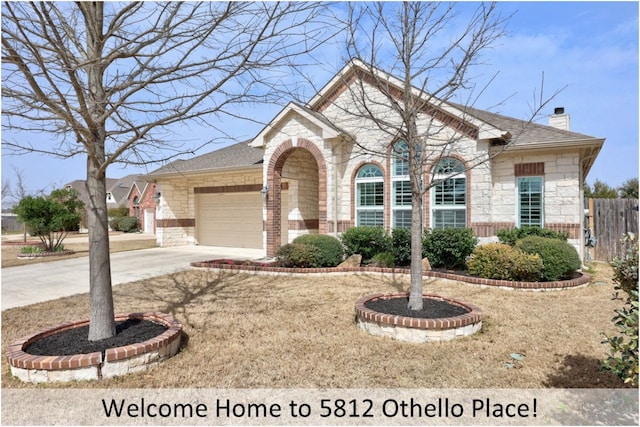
pixel 229 219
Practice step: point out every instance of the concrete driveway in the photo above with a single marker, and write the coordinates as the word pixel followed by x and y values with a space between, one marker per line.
pixel 45 281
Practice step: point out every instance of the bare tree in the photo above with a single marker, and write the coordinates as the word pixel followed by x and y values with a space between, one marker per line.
pixel 429 57
pixel 119 82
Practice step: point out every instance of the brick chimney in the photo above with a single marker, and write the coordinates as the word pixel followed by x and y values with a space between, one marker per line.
pixel 559 119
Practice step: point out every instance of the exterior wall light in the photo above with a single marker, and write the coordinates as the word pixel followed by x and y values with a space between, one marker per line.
pixel 264 193
pixel 156 197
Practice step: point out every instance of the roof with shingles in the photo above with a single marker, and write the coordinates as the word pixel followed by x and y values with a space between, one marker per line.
pixel 233 156
pixel 525 132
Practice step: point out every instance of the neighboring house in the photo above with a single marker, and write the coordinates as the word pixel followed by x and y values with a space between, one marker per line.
pixel 141 202
pixel 306 172
pixel 130 192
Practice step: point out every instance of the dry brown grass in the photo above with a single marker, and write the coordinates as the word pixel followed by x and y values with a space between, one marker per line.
pixel 249 331
pixel 10 252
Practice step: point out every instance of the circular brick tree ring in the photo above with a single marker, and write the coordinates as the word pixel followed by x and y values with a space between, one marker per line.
pixel 415 329
pixel 97 365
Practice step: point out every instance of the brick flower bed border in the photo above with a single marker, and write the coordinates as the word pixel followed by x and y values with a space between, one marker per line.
pixel 94 366
pixel 418 330
pixel 581 280
pixel 46 254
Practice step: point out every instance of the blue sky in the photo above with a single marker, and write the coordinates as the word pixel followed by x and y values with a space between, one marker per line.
pixel 589 47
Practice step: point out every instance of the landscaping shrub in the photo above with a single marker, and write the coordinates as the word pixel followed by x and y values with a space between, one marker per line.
pixel 118 212
pixel 366 241
pixel 331 252
pixel 511 236
pixel 623 353
pixel 401 246
pixel 559 258
pixel 126 224
pixel 503 262
pixel 383 259
pixel 50 218
pixel 449 247
pixel 298 255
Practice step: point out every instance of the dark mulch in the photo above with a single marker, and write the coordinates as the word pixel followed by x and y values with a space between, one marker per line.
pixel 431 309
pixel 74 341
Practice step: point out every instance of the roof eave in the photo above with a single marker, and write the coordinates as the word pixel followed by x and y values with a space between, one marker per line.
pixel 152 177
pixel 556 145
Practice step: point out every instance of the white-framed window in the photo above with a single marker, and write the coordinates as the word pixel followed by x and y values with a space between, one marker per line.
pixel 449 196
pixel 400 186
pixel 530 201
pixel 370 196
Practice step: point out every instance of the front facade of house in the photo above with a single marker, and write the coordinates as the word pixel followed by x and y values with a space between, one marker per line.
pixel 323 168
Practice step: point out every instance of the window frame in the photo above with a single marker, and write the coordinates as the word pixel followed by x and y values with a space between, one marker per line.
pixel 519 213
pixel 455 174
pixel 360 182
pixel 400 163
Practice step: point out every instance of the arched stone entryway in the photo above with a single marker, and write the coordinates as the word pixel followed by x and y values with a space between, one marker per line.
pixel 305 168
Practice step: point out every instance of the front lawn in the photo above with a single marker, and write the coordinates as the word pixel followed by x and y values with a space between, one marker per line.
pixel 261 331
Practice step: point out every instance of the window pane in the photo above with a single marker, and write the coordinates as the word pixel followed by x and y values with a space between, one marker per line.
pixel 449 166
pixel 451 192
pixel 400 159
pixel 370 194
pixel 369 171
pixel 530 201
pixel 402 193
pixel 449 218
pixel 370 217
pixel 402 218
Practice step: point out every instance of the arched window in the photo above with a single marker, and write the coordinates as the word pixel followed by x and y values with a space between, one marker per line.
pixel 400 186
pixel 449 195
pixel 370 196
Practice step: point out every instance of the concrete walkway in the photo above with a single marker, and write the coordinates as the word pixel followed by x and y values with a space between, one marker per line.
pixel 45 281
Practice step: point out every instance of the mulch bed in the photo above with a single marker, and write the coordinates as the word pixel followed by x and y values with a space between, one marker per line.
pixel 431 309
pixel 74 341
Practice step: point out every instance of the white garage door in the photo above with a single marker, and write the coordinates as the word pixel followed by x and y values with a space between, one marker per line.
pixel 229 219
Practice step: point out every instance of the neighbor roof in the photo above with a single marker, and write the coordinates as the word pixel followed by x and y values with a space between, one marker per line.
pixel 233 156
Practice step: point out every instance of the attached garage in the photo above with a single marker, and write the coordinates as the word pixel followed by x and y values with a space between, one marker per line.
pixel 229 219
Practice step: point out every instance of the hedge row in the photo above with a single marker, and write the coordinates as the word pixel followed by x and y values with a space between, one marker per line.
pixel 525 254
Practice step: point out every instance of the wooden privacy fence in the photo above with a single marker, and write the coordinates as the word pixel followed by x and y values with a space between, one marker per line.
pixel 609 220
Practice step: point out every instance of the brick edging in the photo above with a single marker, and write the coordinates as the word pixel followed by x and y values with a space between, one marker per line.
pixel 473 315
pixel 46 254
pixel 560 284
pixel 18 358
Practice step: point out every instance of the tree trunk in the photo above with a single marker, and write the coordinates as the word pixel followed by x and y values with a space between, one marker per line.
pixel 415 293
pixel 101 311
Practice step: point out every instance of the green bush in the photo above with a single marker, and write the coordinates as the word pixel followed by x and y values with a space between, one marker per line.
pixel 129 224
pixel 623 353
pixel 118 212
pixel 331 252
pixel 559 258
pixel 298 255
pixel 114 223
pixel 401 246
pixel 366 241
pixel 383 259
pixel 51 218
pixel 449 247
pixel 511 236
pixel 504 262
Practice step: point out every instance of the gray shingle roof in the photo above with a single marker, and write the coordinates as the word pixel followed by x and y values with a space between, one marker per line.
pixel 233 156
pixel 524 132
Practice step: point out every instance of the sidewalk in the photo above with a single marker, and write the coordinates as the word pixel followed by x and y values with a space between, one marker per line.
pixel 40 282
